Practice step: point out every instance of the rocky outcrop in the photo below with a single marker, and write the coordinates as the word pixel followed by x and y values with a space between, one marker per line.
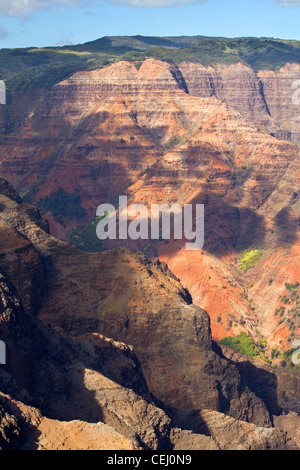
pixel 279 387
pixel 70 367
pixel 9 429
pixel 290 424
pixel 33 431
pixel 77 435
pixel 62 379
pixel 177 377
pixel 244 436
pixel 29 430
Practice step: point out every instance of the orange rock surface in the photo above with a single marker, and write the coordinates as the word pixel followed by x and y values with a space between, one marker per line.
pixel 187 134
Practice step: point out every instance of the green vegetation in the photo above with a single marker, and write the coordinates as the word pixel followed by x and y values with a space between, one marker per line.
pixel 293 288
pixel 85 238
pixel 246 346
pixel 62 204
pixel 31 68
pixel 260 54
pixel 173 142
pixel 241 343
pixel 287 313
pixel 249 258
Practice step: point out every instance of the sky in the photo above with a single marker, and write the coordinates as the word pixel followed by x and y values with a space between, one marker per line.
pixel 41 23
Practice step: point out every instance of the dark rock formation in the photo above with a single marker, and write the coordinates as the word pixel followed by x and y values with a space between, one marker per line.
pixel 69 358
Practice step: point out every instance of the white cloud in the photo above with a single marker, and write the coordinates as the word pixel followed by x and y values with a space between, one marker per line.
pixel 156 3
pixel 22 8
pixel 288 3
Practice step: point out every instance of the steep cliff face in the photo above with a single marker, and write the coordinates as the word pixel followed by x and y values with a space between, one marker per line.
pixel 237 85
pixel 111 125
pixel 281 92
pixel 187 134
pixel 69 367
pixel 269 99
pixel 100 124
pixel 251 203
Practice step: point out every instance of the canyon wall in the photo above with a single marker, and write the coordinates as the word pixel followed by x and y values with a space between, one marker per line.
pixel 222 136
pixel 115 356
pixel 267 98
pixel 189 134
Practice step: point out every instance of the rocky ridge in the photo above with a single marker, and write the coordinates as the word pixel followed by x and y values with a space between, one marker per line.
pixel 71 379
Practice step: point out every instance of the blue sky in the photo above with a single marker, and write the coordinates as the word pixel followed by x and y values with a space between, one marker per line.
pixel 25 23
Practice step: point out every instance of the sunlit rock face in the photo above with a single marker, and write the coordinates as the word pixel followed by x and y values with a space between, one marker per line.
pixel 161 133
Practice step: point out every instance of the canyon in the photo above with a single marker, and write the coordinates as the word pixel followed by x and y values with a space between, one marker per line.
pixel 152 378
pixel 222 135
pixel 167 134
